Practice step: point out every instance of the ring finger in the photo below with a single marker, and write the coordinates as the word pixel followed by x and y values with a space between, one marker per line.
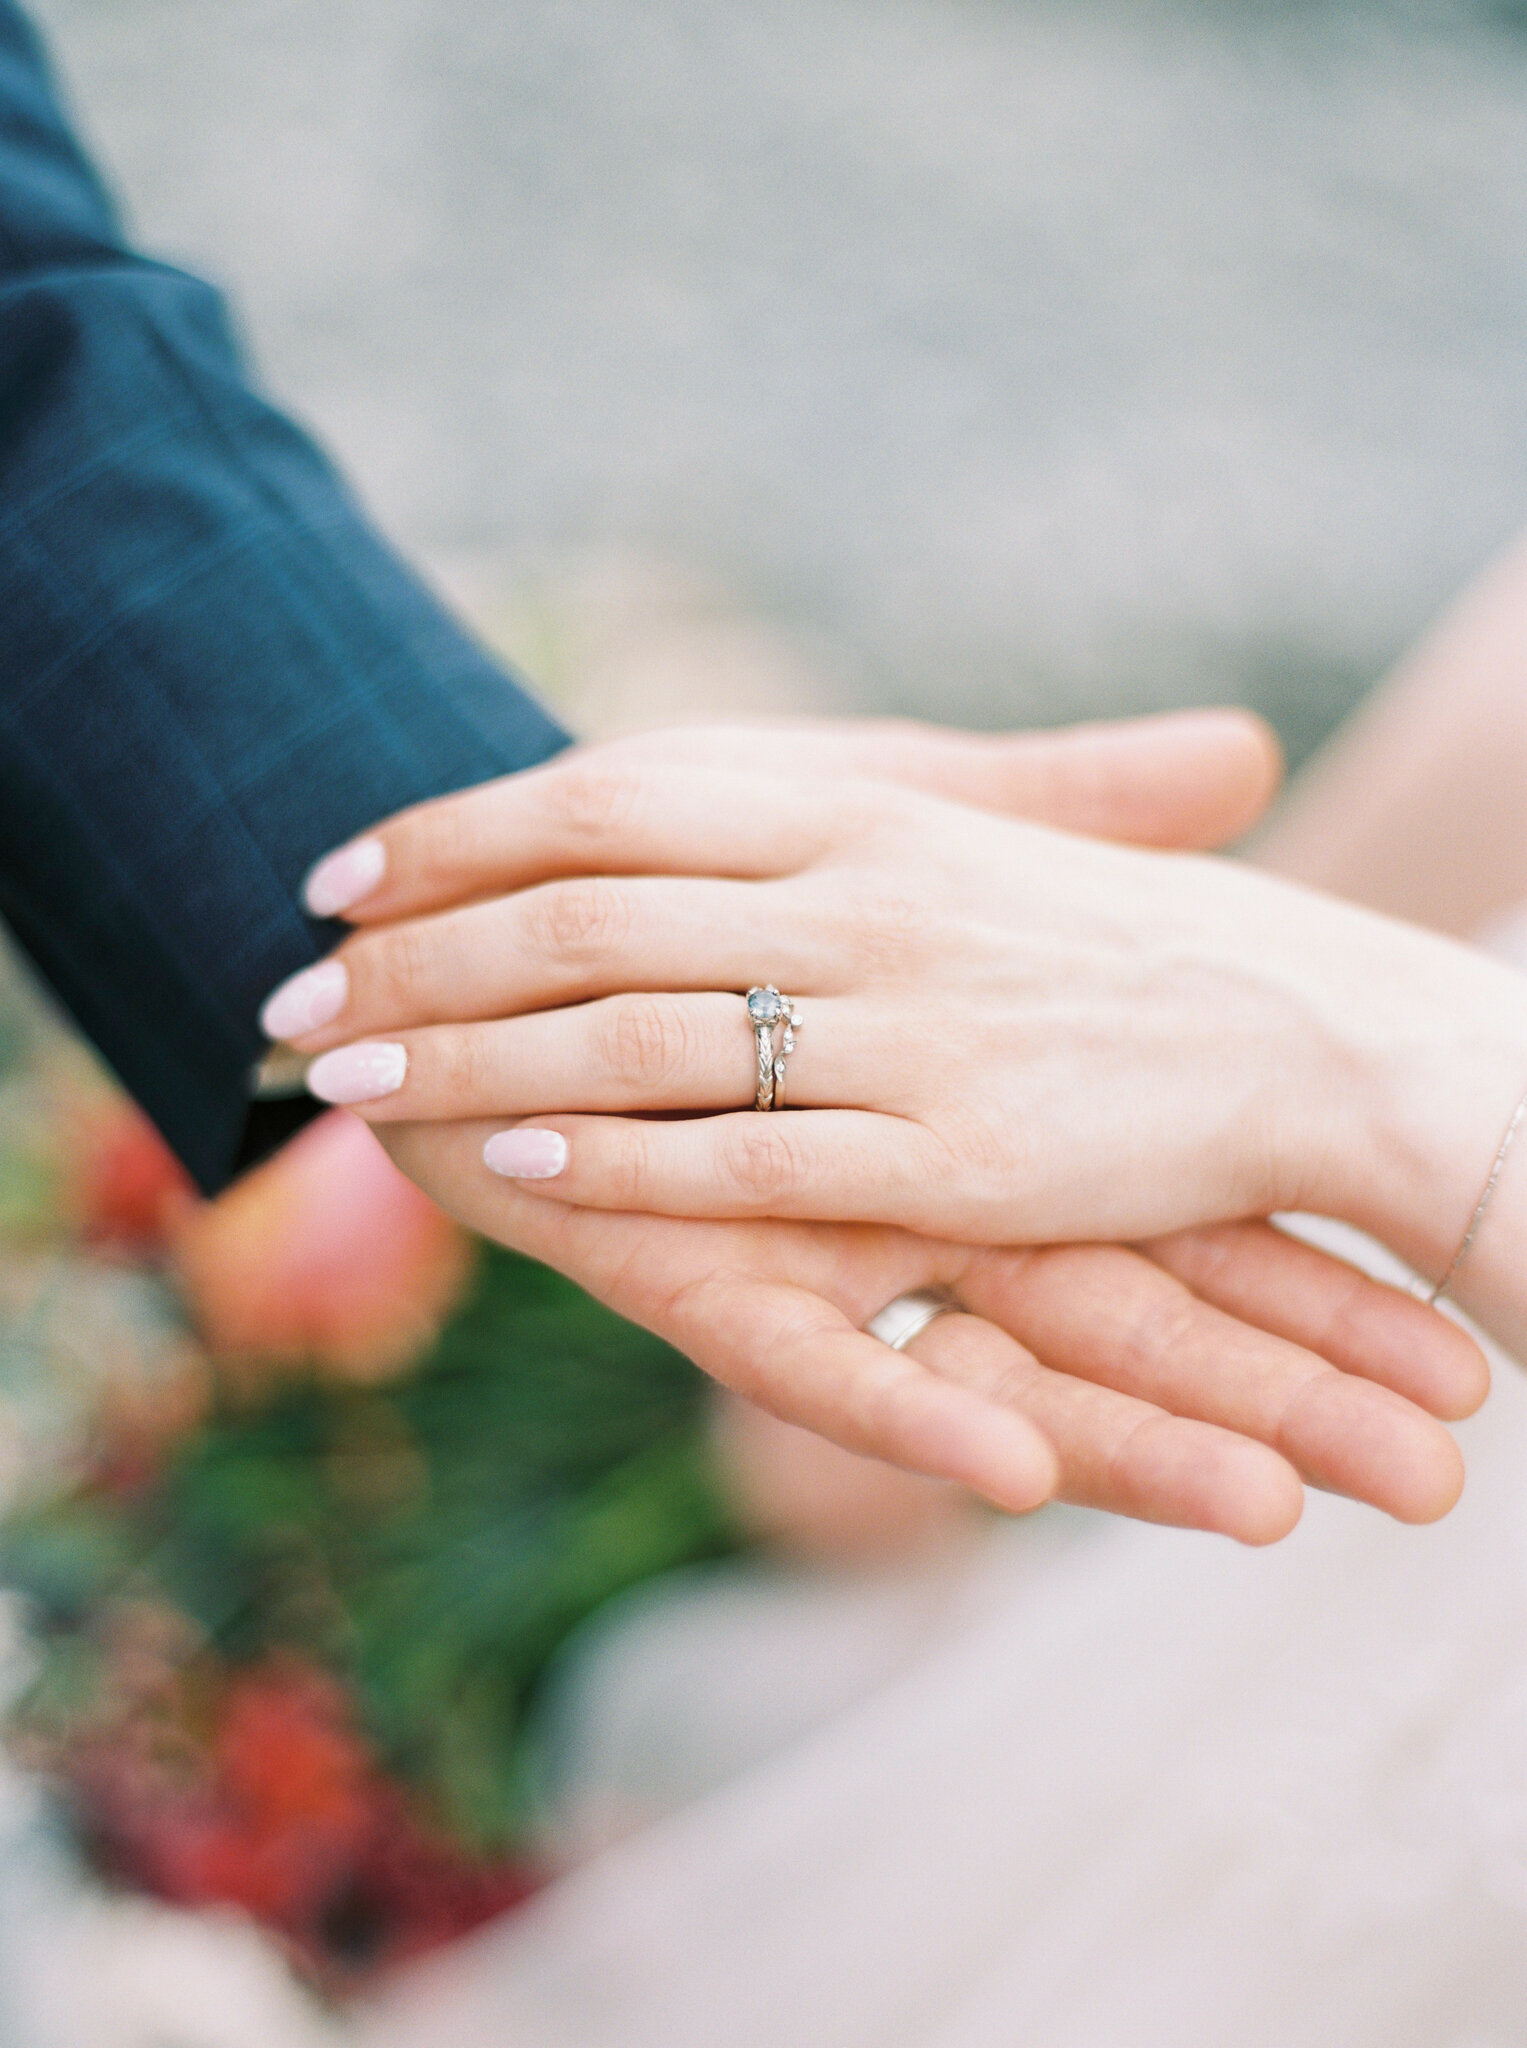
pixel 623 1053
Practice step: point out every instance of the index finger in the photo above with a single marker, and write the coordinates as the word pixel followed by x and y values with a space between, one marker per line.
pixel 1187 779
pixel 582 814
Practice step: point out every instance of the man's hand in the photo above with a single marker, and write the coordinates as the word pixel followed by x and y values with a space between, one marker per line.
pixel 1195 1385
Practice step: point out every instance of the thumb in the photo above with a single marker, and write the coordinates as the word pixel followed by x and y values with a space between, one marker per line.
pixel 1186 779
pixel 1189 779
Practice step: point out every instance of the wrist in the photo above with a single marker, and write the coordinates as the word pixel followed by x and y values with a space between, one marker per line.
pixel 1426 1062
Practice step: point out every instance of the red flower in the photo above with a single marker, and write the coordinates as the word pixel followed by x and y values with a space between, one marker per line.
pixel 282 1810
pixel 129 1186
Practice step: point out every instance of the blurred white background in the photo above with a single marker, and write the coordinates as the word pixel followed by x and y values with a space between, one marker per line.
pixel 995 358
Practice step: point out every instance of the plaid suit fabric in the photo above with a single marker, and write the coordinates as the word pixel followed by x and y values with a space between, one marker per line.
pixel 211 670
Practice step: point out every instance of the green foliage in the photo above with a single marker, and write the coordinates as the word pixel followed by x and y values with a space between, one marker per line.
pixel 433 1541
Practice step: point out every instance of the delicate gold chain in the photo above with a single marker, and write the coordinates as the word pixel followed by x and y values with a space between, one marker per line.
pixel 1483 1203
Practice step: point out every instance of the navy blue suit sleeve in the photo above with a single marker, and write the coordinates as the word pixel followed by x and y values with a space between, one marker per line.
pixel 211 669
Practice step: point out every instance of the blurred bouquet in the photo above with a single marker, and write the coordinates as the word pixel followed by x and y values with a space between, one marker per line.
pixel 303 1491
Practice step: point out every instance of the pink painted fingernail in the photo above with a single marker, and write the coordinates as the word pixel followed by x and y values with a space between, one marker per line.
pixel 343 878
pixel 525 1154
pixel 358 1073
pixel 308 1001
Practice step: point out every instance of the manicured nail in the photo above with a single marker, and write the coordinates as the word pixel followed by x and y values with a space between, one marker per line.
pixel 526 1155
pixel 308 1001
pixel 343 878
pixel 358 1073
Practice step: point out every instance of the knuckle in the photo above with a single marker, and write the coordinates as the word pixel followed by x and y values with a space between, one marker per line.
pixel 646 1043
pixel 438 845
pixel 595 801
pixel 465 1069
pixel 902 927
pixel 759 1162
pixel 975 1356
pixel 1202 1257
pixel 629 1170
pixel 1161 1330
pixel 395 967
pixel 1129 1458
pixel 580 921
pixel 889 929
pixel 987 1156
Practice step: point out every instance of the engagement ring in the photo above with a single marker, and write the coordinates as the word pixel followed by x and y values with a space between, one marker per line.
pixel 768 1010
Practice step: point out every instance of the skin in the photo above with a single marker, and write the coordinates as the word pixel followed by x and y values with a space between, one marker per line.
pixel 1416 807
pixel 1070 1040
pixel 1416 810
pixel 1196 1380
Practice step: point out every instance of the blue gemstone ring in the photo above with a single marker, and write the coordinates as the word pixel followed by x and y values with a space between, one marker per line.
pixel 770 1012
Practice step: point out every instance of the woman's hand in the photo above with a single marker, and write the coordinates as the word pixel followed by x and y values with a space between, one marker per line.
pixel 1010 1035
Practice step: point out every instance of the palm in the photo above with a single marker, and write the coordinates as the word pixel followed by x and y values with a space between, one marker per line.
pixel 1092 1371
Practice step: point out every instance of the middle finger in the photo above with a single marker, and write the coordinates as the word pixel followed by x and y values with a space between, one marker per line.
pixel 560 943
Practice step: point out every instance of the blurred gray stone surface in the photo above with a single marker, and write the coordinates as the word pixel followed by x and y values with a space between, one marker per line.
pixel 1011 358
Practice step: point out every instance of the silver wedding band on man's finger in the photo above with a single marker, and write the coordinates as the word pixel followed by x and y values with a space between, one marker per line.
pixel 768 1011
pixel 909 1315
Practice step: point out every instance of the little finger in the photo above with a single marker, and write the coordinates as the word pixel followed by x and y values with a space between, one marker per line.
pixel 1104 1313
pixel 1264 1276
pixel 824 1165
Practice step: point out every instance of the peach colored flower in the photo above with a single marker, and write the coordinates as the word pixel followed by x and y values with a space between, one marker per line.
pixel 324 1255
